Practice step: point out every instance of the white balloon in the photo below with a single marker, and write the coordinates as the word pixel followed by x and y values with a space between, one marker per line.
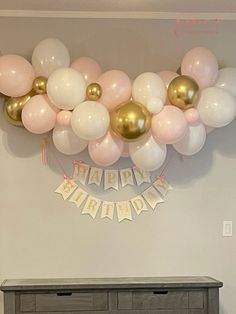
pixel 227 80
pixel 193 141
pixel 216 107
pixel 66 88
pixel 49 55
pixel 148 154
pixel 155 105
pixel 66 141
pixel 146 88
pixel 90 120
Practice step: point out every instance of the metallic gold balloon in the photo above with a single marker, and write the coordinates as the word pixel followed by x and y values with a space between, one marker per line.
pixel 13 108
pixel 40 85
pixel 130 120
pixel 183 92
pixel 94 91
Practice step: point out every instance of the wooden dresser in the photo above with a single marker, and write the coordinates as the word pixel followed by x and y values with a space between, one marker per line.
pixel 161 295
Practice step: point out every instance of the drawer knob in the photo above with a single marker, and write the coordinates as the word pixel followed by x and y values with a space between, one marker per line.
pixel 160 292
pixel 64 294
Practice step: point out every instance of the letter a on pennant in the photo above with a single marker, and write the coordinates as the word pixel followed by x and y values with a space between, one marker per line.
pixel 152 197
pixel 95 176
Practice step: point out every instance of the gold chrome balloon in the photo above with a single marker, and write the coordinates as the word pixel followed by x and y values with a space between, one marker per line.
pixel 13 108
pixel 40 85
pixel 94 91
pixel 183 92
pixel 130 120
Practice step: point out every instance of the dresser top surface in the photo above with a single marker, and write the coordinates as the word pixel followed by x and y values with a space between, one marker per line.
pixel 109 283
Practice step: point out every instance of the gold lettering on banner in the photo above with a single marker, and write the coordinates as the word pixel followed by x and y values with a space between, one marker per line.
pixel 162 185
pixel 78 197
pixel 139 204
pixel 66 188
pixel 126 176
pixel 111 179
pixel 95 176
pixel 123 211
pixel 141 176
pixel 152 197
pixel 108 210
pixel 81 171
pixel 91 206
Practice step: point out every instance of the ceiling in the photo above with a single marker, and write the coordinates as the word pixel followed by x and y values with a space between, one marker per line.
pixel 122 5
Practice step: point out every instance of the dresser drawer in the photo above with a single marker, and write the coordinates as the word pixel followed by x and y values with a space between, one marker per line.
pixel 153 300
pixel 63 302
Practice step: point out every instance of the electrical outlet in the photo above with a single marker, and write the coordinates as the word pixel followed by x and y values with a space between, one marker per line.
pixel 227 228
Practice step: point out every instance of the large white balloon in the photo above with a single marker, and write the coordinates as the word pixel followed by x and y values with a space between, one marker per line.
pixel 90 120
pixel 66 141
pixel 216 107
pixel 193 140
pixel 49 55
pixel 227 80
pixel 149 89
pixel 66 88
pixel 147 154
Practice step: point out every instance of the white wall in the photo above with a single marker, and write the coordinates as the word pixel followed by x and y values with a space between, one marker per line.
pixel 42 236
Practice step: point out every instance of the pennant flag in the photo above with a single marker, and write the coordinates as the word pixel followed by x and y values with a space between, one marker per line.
pixel 95 176
pixel 141 176
pixel 108 210
pixel 152 197
pixel 162 185
pixel 139 204
pixel 91 206
pixel 78 197
pixel 111 179
pixel 123 211
pixel 66 188
pixel 81 171
pixel 126 177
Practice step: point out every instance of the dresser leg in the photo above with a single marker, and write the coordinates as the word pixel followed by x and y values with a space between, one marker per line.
pixel 9 303
pixel 213 301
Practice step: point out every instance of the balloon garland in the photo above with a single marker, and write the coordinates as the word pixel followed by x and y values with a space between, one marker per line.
pixel 111 115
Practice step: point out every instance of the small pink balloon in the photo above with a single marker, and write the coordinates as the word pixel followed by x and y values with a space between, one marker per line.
pixel 16 75
pixel 167 77
pixel 116 88
pixel 125 152
pixel 88 67
pixel 192 115
pixel 39 115
pixel 63 117
pixel 201 64
pixel 106 150
pixel 169 126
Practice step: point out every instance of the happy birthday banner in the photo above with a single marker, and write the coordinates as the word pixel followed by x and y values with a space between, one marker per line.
pixel 109 178
pixel 91 205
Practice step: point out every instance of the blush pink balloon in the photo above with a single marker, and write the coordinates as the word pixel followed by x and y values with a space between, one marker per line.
pixel 192 115
pixel 169 126
pixel 63 117
pixel 167 77
pixel 125 152
pixel 116 88
pixel 201 64
pixel 16 75
pixel 106 150
pixel 39 115
pixel 88 67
